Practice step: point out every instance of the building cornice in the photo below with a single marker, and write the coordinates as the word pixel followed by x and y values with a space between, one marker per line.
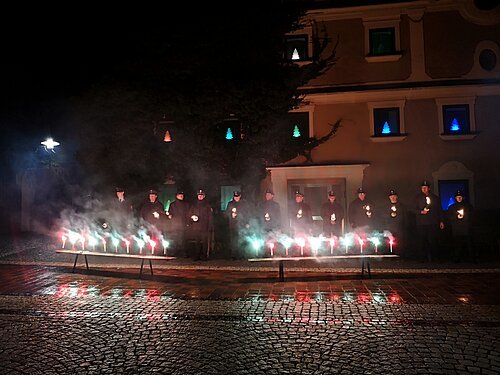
pixel 406 90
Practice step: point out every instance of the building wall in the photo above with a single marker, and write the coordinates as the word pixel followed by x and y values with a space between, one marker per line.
pixel 451 34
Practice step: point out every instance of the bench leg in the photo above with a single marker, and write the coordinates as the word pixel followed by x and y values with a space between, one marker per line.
pixel 142 265
pixel 86 262
pixel 74 264
pixel 281 271
pixel 151 266
pixel 368 269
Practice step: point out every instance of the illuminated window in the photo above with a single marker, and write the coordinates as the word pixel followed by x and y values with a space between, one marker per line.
pixel 298 124
pixel 382 41
pixel 448 188
pixel 297 47
pixel 456 119
pixel 387 121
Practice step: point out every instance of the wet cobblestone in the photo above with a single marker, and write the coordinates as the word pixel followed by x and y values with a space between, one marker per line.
pixel 45 335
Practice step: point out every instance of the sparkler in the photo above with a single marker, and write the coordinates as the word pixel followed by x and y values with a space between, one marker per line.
pixel 92 242
pixel 361 242
pixel 165 245
pixel 391 242
pixel 152 244
pixel 104 244
pixel 63 240
pixel 115 243
pixel 332 244
pixel 301 242
pixel 82 240
pixel 287 242
pixel 256 246
pixel 127 243
pixel 375 241
pixel 271 247
pixel 346 243
pixel 73 237
pixel 315 244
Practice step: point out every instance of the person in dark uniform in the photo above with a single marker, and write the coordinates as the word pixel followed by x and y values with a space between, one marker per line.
pixel 300 216
pixel 177 217
pixel 238 215
pixel 122 210
pixel 361 211
pixel 460 217
pixel 429 220
pixel 269 213
pixel 200 222
pixel 394 219
pixel 333 214
pixel 153 211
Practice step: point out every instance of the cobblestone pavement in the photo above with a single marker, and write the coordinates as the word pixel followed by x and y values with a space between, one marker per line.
pixel 229 322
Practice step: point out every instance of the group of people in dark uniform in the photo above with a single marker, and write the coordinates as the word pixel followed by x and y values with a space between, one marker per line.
pixel 189 226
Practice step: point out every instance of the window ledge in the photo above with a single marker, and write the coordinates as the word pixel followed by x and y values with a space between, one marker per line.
pixel 458 137
pixel 383 58
pixel 301 62
pixel 388 138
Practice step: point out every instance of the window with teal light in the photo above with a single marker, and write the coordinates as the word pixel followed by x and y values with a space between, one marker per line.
pixel 296 48
pixel 298 125
pixel 456 119
pixel 386 122
pixel 382 41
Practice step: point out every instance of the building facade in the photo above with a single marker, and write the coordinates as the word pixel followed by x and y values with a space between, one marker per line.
pixel 416 86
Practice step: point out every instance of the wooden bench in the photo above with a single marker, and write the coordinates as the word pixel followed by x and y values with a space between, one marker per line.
pixel 85 253
pixel 365 261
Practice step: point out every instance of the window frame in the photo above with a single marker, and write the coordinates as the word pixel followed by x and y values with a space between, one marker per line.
pixel 470 101
pixel 394 23
pixel 304 31
pixel 400 104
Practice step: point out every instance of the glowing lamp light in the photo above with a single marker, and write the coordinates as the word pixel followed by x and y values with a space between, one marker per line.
pixel 229 134
pixel 267 217
pixel 455 126
pixel 50 144
pixel 167 137
pixel 295 54
pixel 427 201
pixel 296 132
pixel 460 214
pixel 386 129
pixel 156 215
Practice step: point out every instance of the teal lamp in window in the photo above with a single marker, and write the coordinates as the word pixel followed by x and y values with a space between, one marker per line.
pixel 229 134
pixel 296 132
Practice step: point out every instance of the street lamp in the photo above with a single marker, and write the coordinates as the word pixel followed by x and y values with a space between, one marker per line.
pixel 50 144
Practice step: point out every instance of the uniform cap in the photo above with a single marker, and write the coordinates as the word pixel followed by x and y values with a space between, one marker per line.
pixel 360 190
pixel 425 183
pixel 459 193
pixel 179 191
pixel 152 191
pixel 200 192
pixel 393 192
pixel 119 189
pixel 237 193
pixel 269 190
pixel 331 193
pixel 298 194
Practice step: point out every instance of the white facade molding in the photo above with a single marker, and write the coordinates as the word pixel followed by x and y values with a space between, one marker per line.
pixel 404 93
pixel 477 71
